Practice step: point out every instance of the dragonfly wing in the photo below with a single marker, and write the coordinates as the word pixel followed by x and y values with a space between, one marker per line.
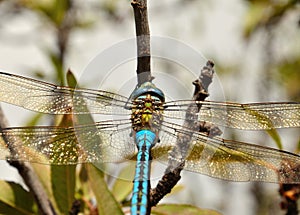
pixel 232 160
pixel 238 161
pixel 108 141
pixel 48 98
pixel 253 116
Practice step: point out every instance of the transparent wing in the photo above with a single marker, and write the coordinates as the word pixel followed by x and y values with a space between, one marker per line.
pixel 254 116
pixel 107 141
pixel 48 98
pixel 230 160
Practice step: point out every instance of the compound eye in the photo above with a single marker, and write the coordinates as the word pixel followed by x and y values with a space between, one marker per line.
pixel 156 99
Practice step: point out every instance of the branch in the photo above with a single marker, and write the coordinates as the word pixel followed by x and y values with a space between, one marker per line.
pixel 28 174
pixel 290 194
pixel 142 40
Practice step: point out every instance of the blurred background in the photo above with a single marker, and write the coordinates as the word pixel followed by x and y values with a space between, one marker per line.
pixel 255 46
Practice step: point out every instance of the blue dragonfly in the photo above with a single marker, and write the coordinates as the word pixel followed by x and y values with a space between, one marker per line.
pixel 147 128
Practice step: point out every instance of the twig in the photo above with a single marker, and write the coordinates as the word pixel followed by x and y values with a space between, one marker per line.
pixel 290 194
pixel 64 29
pixel 178 154
pixel 143 41
pixel 28 174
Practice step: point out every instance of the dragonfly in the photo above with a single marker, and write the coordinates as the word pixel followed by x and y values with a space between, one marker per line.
pixel 147 128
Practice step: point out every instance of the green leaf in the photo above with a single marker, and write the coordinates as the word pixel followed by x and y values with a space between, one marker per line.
pixel 63 177
pixel 71 79
pixel 63 186
pixel 275 136
pixel 43 173
pixel 82 185
pixel 122 187
pixel 176 209
pixel 298 147
pixel 15 200
pixel 57 65
pixel 34 120
pixel 265 120
pixel 60 10
pixel 106 202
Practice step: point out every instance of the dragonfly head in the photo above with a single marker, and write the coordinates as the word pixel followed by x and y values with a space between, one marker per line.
pixel 150 88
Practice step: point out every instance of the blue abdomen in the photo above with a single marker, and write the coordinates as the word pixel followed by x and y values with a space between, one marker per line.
pixel 145 140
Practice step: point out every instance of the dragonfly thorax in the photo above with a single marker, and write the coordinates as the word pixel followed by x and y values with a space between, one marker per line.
pixel 147 113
